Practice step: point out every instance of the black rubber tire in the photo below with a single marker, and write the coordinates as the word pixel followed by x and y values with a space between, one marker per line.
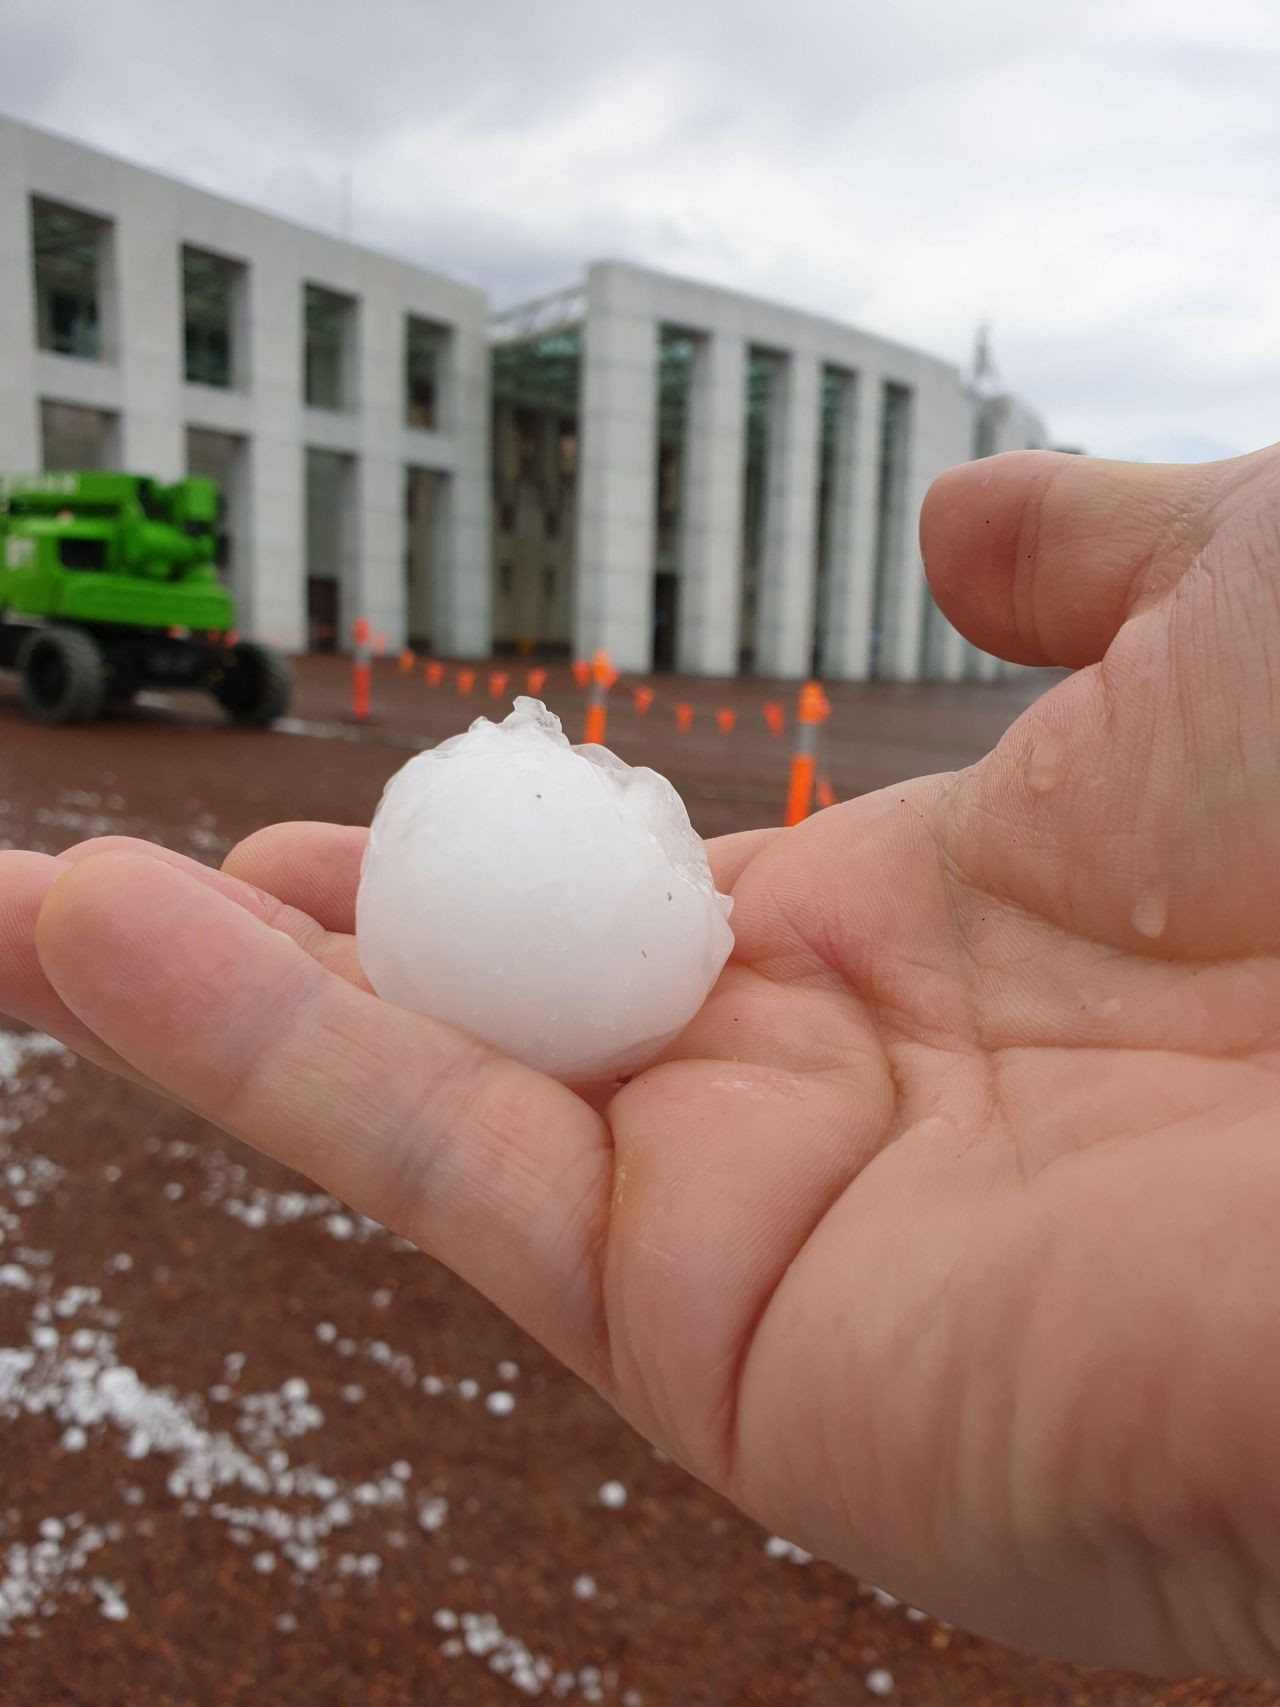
pixel 254 688
pixel 63 676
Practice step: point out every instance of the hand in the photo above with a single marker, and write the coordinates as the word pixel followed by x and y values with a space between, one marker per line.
pixel 946 1240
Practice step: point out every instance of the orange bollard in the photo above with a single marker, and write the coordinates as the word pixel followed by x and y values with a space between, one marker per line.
pixel 603 676
pixel 824 794
pixel 773 716
pixel 812 709
pixel 498 684
pixel 581 673
pixel 407 661
pixel 726 717
pixel 466 680
pixel 433 673
pixel 535 680
pixel 684 717
pixel 361 671
pixel 643 700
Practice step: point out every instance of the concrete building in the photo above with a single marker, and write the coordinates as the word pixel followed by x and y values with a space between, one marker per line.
pixel 682 475
pixel 340 397
pixel 729 483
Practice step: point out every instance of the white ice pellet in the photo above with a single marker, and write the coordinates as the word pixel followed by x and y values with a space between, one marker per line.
pixel 547 898
pixel 612 1495
pixel 879 1681
pixel 500 1404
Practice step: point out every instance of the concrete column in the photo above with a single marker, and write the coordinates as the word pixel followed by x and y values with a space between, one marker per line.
pixel 19 406
pixel 420 500
pixel 375 382
pixel 380 589
pixel 462 594
pixel 617 470
pixel 844 634
pixel 936 437
pixel 710 546
pixel 900 573
pixel 954 654
pixel 148 320
pixel 784 605
pixel 274 569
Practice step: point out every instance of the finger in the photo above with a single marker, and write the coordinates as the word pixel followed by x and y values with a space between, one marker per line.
pixel 25 992
pixel 313 867
pixel 331 949
pixel 502 1174
pixel 1039 556
pixel 731 855
pixel 316 867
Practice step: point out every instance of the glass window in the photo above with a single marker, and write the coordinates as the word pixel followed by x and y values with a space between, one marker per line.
pixel 209 288
pixel 329 335
pixel 424 350
pixel 65 248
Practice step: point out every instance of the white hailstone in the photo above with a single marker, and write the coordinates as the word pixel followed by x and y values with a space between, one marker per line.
pixel 612 1495
pixel 879 1681
pixel 547 898
pixel 500 1403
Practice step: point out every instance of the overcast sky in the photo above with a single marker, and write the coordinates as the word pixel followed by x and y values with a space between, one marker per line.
pixel 1100 180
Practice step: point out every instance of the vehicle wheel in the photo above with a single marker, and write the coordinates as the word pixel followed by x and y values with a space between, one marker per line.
pixel 63 678
pixel 254 687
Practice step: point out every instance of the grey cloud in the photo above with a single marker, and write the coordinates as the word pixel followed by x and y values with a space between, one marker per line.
pixel 1100 178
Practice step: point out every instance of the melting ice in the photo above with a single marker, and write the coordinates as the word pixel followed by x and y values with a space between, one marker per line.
pixel 547 898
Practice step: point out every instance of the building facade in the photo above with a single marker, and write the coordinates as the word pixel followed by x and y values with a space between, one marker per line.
pixel 341 398
pixel 684 476
pixel 731 484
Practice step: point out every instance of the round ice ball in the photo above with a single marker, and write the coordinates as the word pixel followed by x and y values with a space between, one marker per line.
pixel 547 898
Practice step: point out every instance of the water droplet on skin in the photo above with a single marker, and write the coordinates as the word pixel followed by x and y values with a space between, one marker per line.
pixel 1149 916
pixel 1046 763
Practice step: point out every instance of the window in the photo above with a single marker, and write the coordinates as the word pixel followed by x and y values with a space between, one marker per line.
pixel 329 339
pixel 75 438
pixel 210 286
pixel 425 344
pixel 78 553
pixel 66 246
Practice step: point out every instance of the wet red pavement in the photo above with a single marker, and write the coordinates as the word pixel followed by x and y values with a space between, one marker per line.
pixel 252 1449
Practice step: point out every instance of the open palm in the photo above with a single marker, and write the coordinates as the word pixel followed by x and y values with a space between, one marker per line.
pixel 946 1240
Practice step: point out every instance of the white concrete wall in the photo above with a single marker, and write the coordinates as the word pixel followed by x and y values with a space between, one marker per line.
pixel 617 470
pixel 788 564
pixel 140 379
pixel 710 537
pixel 627 307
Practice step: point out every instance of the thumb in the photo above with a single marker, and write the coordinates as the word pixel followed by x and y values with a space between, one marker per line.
pixel 1039 556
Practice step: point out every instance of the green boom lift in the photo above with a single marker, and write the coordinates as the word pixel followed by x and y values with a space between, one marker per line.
pixel 108 585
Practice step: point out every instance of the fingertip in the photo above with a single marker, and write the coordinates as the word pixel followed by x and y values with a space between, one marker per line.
pixel 969 527
pixel 82 890
pixel 25 881
pixel 314 867
pixel 96 846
